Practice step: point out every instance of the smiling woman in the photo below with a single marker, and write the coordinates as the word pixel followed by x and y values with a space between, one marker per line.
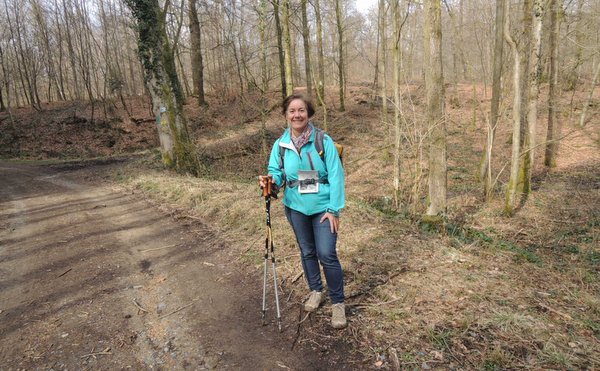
pixel 313 198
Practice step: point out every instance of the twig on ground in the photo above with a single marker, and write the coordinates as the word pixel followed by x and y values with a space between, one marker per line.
pixel 139 307
pixel 305 317
pixel 193 217
pixel 289 296
pixel 65 272
pixel 251 245
pixel 385 302
pixel 564 315
pixel 297 329
pixel 158 248
pixel 105 352
pixel 420 362
pixel 297 277
pixel 178 309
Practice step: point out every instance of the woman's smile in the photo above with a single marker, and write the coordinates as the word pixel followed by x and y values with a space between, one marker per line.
pixel 297 116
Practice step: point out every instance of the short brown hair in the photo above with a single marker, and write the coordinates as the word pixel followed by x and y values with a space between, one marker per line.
pixel 309 105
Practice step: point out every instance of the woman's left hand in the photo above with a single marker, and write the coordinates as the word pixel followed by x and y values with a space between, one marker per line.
pixel 334 222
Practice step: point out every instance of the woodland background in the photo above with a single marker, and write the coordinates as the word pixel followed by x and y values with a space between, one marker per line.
pixel 501 273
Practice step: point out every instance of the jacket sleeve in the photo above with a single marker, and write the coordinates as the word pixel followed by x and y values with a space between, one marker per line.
pixel 273 168
pixel 335 176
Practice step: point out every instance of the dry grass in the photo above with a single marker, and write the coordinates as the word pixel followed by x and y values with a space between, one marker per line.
pixel 489 292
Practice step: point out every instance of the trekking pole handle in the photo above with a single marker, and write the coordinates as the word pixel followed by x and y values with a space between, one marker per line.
pixel 266 190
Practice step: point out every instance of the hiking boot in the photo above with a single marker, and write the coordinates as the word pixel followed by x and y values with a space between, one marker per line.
pixel 314 301
pixel 338 315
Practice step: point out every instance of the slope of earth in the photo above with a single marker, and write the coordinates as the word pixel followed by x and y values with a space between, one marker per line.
pixel 95 278
pixel 77 129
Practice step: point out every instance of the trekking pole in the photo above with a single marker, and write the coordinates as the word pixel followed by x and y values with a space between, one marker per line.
pixel 269 250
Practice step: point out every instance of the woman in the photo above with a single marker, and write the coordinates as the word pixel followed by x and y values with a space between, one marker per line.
pixel 313 199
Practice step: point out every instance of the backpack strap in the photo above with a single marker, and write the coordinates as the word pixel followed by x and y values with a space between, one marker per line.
pixel 281 155
pixel 319 137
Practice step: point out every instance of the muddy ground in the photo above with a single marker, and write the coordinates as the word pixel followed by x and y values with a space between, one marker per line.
pixel 94 278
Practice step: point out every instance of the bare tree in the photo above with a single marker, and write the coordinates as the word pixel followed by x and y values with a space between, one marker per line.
pixel 280 50
pixel 197 63
pixel 383 57
pixel 262 26
pixel 511 190
pixel 397 102
pixel 535 74
pixel 4 84
pixel 287 48
pixel 306 39
pixel 552 144
pixel 435 111
pixel 320 55
pixel 341 70
pixel 590 95
pixel 163 85
pixel 485 172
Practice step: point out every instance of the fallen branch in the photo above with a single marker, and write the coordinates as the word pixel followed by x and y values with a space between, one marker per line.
pixel 193 217
pixel 420 362
pixel 65 272
pixel 564 315
pixel 304 319
pixel 378 304
pixel 297 277
pixel 139 306
pixel 178 309
pixel 298 326
pixel 158 248
pixel 105 352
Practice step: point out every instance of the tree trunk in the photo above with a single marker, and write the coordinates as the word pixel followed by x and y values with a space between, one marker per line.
pixel 383 43
pixel 340 29
pixel 40 18
pixel 535 74
pixel 511 190
pixel 3 83
pixel 306 39
pixel 397 103
pixel 163 85
pixel 197 63
pixel 375 87
pixel 321 58
pixel 280 48
pixel 434 86
pixel 573 75
pixel 590 95
pixel 485 171
pixel 525 45
pixel 262 25
pixel 287 48
pixel 553 132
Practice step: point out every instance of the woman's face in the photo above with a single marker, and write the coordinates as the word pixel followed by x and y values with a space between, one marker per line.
pixel 297 115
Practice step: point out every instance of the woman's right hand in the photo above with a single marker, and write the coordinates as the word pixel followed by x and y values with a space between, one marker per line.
pixel 263 179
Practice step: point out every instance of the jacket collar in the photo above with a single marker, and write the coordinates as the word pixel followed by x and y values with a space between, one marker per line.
pixel 286 138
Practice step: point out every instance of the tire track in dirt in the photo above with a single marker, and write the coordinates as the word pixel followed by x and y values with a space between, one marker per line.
pixel 73 258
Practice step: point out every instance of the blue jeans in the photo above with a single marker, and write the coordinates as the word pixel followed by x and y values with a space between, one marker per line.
pixel 317 244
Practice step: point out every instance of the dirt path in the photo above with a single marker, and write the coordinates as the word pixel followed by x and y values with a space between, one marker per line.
pixel 74 256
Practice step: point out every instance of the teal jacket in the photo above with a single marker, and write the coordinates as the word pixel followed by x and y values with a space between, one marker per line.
pixel 331 197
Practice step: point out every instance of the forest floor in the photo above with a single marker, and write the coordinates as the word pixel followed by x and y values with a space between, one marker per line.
pixel 486 292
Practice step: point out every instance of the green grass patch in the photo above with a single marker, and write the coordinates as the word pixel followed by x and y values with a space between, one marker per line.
pixel 467 236
pixel 440 337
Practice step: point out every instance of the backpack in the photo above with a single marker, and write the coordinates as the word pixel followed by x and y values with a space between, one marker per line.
pixel 319 137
